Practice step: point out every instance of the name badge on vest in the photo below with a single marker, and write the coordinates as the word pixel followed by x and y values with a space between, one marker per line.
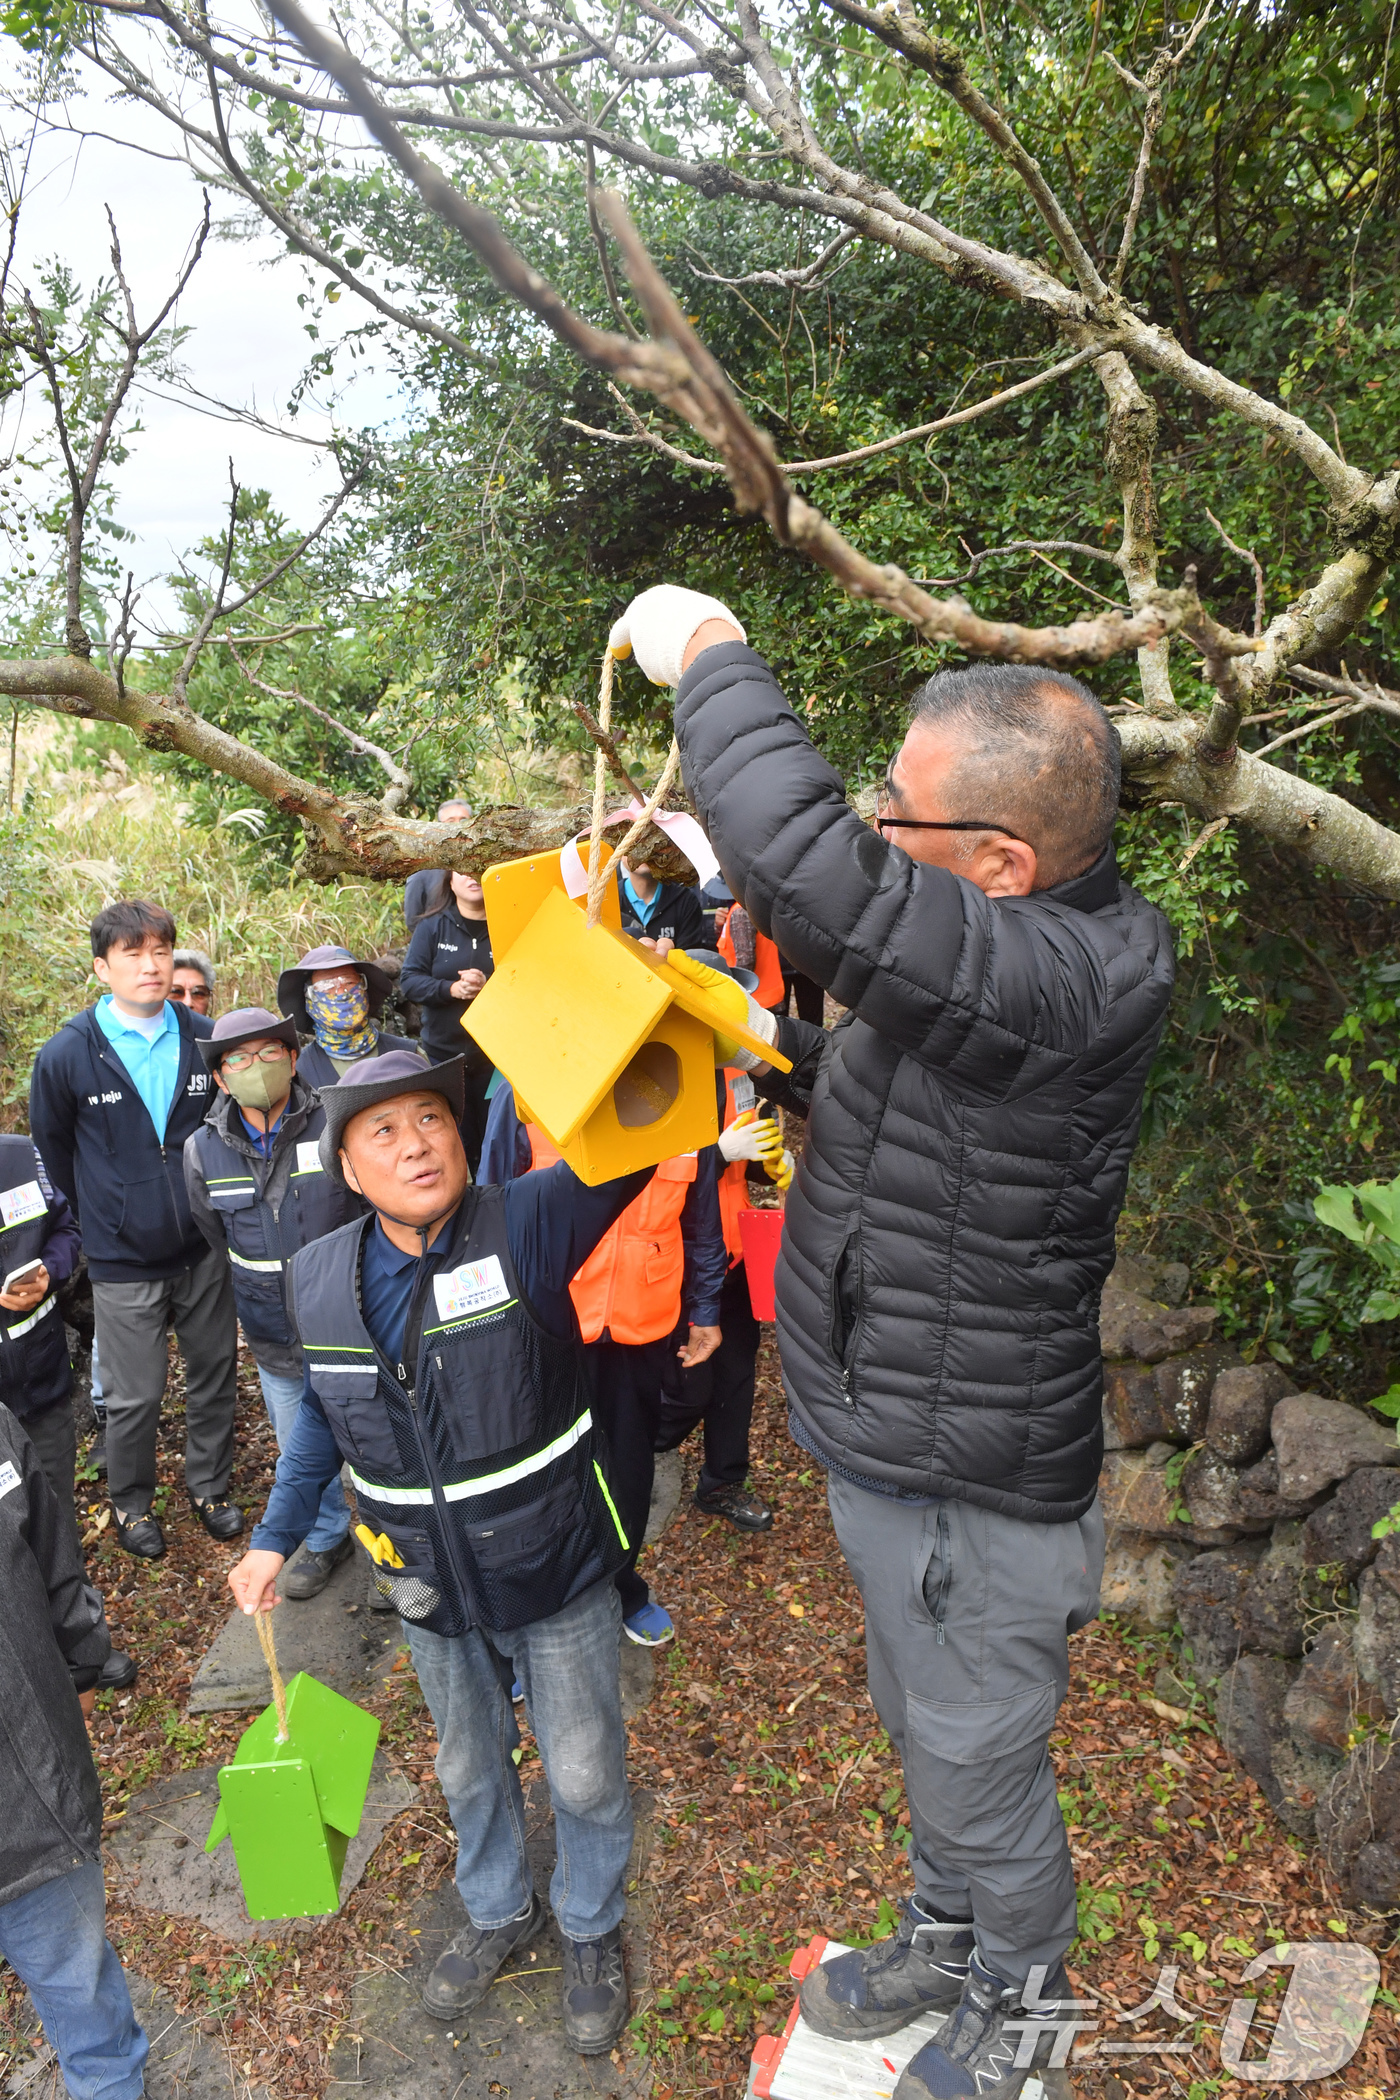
pixel 18 1206
pixel 309 1157
pixel 472 1288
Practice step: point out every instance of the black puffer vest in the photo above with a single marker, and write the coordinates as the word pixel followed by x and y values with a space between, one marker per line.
pixel 34 1369
pixel 971 1122
pixel 270 1208
pixel 477 1460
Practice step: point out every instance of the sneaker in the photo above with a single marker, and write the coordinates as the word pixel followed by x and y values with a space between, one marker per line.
pixel 975 2056
pixel 314 1570
pixel 650 1628
pixel 595 1993
pixel 741 1510
pixel 118 1672
pixel 466 1969
pixel 139 1533
pixel 517 1692
pixel 876 1990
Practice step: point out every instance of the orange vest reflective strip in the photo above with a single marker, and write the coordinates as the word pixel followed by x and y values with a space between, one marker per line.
pixel 630 1285
pixel 766 961
pixel 733 1181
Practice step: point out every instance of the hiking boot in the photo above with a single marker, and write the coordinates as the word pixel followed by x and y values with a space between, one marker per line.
pixel 876 1990
pixel 975 2056
pixel 595 1993
pixel 314 1570
pixel 744 1511
pixel 468 1966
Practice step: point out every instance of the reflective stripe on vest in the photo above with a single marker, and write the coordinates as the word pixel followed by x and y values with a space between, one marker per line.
pixel 484 1483
pixel 241 1261
pixel 766 961
pixel 630 1285
pixel 24 1326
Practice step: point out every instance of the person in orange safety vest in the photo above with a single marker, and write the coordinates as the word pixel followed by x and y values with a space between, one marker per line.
pixel 720 1391
pixel 658 1270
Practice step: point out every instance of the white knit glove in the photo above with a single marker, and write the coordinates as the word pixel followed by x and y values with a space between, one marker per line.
pixel 748 1138
pixel 657 627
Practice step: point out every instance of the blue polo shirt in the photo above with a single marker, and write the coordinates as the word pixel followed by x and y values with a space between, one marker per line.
pixel 152 1062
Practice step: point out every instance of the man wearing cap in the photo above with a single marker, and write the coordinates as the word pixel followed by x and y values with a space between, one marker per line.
pixel 258 1190
pixel 443 1362
pixel 335 997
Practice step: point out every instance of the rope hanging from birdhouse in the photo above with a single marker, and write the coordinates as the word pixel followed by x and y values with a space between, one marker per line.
pixel 263 1622
pixel 599 875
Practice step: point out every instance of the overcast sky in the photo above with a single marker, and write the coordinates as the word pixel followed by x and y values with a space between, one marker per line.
pixel 248 344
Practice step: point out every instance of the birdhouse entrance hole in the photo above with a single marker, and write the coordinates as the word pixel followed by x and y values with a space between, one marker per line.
pixel 647 1087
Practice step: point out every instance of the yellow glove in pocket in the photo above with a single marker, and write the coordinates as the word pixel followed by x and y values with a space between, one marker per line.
pixel 381 1550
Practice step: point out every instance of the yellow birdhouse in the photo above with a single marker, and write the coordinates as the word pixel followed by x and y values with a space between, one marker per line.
pixel 609 1050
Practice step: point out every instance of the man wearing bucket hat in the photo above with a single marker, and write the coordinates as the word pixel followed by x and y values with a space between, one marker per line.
pixel 443 1362
pixel 335 997
pixel 972 1118
pixel 258 1191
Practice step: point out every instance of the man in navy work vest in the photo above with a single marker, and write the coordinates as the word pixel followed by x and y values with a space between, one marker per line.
pixel 112 1098
pixel 259 1192
pixel 443 1362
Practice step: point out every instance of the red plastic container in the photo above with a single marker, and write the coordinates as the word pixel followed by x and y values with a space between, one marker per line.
pixel 760 1231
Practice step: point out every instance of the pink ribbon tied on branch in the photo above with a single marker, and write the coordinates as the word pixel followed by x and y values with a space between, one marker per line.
pixel 679 827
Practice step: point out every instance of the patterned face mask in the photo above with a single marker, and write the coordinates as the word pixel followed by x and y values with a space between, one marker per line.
pixel 341 1020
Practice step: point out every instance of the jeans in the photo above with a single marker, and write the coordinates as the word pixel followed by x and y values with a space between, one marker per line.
pixel 55 1940
pixel 282 1393
pixel 568 1666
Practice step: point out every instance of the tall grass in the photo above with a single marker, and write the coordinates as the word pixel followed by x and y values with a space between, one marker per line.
pixel 55 873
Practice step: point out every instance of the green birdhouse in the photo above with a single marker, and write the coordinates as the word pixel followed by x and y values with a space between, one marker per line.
pixel 292 1807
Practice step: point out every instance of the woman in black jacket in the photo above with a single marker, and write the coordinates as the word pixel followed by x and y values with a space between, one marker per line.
pixel 448 962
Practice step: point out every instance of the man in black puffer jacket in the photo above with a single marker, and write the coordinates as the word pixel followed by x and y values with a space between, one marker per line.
pixel 970 1125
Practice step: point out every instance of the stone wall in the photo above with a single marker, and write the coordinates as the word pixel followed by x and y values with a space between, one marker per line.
pixel 1242 1509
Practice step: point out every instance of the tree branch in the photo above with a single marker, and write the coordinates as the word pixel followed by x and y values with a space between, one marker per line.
pixel 674 365
pixel 400 782
pixel 607 744
pixel 1245 554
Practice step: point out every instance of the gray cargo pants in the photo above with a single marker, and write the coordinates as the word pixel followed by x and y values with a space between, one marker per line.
pixel 967 1615
pixel 131 1322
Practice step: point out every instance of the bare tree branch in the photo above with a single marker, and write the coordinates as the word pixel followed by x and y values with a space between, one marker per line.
pixel 1245 554
pixel 675 366
pixel 641 435
pixel 400 781
pixel 607 744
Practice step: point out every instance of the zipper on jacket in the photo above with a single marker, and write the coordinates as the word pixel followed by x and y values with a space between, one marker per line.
pixel 406 1382
pixel 945 1571
pixel 847 1350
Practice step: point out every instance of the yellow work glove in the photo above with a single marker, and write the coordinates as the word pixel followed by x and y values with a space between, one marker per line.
pixel 731 997
pixel 380 1549
pixel 749 1137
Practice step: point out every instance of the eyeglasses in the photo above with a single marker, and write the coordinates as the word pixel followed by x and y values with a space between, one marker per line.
pixel 883 823
pixel 239 1060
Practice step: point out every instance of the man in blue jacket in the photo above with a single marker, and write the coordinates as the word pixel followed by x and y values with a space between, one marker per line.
pixel 443 1363
pixel 112 1098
